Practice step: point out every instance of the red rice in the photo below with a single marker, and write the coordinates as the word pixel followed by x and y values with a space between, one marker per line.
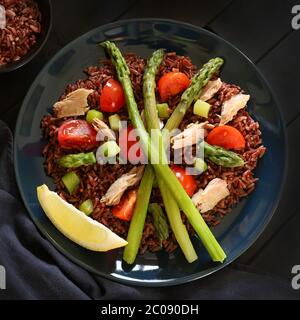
pixel 23 24
pixel 95 180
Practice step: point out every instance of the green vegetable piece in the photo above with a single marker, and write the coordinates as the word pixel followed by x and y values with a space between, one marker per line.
pixel 135 232
pixel 200 165
pixel 109 149
pixel 87 207
pixel 163 110
pixel 114 122
pixel 159 221
pixel 178 227
pixel 71 181
pixel 77 160
pixel 93 114
pixel 222 157
pixel 201 108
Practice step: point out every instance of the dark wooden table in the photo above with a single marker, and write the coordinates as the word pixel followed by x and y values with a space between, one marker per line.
pixel 261 29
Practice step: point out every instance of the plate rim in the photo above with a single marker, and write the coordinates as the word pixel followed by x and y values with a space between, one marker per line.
pixel 171 281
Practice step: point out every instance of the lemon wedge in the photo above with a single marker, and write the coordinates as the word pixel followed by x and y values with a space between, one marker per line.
pixel 75 225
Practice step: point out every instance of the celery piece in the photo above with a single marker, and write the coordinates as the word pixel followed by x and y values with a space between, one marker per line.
pixel 93 114
pixel 201 108
pixel 114 122
pixel 200 165
pixel 163 110
pixel 71 181
pixel 87 207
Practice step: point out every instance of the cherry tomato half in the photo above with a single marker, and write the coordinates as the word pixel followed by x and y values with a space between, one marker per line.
pixel 171 84
pixel 112 97
pixel 76 134
pixel 130 147
pixel 227 137
pixel 124 209
pixel 187 181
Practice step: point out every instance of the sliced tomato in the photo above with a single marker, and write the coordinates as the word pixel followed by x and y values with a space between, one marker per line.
pixel 130 147
pixel 124 209
pixel 172 83
pixel 187 181
pixel 112 97
pixel 76 134
pixel 227 137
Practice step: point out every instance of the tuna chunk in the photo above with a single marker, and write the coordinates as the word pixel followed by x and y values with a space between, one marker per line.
pixel 231 107
pixel 193 133
pixel 2 18
pixel 117 189
pixel 211 89
pixel 74 104
pixel 214 192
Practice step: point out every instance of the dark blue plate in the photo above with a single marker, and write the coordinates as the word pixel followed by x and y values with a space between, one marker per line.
pixel 238 230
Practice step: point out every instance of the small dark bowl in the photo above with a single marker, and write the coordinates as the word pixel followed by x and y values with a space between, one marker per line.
pixel 46 24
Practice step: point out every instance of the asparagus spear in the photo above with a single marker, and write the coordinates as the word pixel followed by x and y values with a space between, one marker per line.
pixel 77 160
pixel 149 85
pixel 163 170
pixel 137 223
pixel 123 74
pixel 151 115
pixel 176 224
pixel 159 221
pixel 222 157
pixel 192 93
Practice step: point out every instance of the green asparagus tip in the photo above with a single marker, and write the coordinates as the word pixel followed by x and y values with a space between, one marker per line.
pixel 104 43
